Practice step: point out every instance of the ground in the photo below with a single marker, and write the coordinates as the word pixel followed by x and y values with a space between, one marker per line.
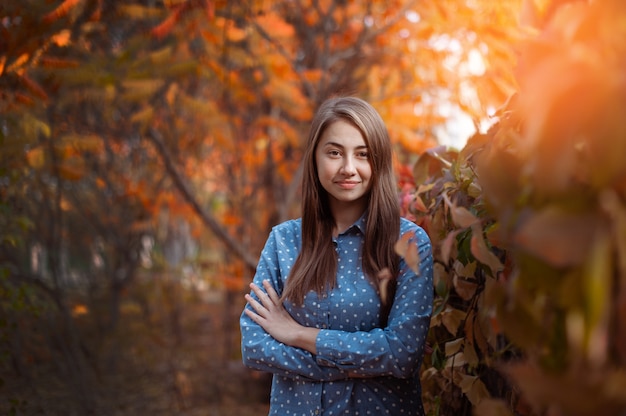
pixel 173 355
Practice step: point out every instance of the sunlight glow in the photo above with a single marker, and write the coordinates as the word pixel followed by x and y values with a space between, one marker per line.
pixel 412 16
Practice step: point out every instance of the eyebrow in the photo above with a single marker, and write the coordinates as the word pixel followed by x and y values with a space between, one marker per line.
pixel 341 146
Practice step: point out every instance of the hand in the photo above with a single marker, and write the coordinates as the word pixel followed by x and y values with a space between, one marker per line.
pixel 274 318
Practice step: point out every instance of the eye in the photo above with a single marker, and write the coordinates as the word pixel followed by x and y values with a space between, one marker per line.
pixel 334 153
pixel 362 155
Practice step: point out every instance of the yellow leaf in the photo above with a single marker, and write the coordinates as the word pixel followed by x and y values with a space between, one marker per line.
pixel 135 11
pixel 519 325
pixel 574 392
pixel 33 127
pixel 470 354
pixel 161 56
pixel 452 318
pixel 465 270
pixel 472 387
pixel 492 407
pixel 141 89
pixel 599 284
pixel 143 116
pixel 80 142
pixel 454 346
pixel 456 361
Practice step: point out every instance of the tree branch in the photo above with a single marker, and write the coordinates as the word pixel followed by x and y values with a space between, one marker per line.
pixel 209 220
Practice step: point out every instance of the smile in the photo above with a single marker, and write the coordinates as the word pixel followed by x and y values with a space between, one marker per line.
pixel 347 184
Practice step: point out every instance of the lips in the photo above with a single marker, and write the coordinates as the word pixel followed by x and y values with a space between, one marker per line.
pixel 347 184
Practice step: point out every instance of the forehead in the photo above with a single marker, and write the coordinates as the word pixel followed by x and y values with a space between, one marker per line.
pixel 342 133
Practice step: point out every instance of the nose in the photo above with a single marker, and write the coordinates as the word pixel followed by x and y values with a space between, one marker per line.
pixel 348 167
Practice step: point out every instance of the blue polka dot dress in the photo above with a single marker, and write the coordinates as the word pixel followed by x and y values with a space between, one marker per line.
pixel 360 368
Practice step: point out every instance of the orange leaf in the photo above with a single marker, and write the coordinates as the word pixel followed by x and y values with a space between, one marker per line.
pixel 481 252
pixel 24 99
pixel 235 34
pixel 560 238
pixel 460 215
pixel 312 75
pixel 49 62
pixel 448 244
pixel 63 9
pixel 18 63
pixel 233 283
pixel 165 27
pixel 34 87
pixel 79 310
pixel 70 173
pixel 407 249
pixel 62 38
pixel 464 287
pixel 273 24
pixel 35 157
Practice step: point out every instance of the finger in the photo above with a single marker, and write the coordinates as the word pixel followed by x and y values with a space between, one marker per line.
pixel 259 308
pixel 271 292
pixel 255 289
pixel 258 292
pixel 265 299
pixel 256 318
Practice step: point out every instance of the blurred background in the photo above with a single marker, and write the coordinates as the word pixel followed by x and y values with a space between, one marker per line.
pixel 148 146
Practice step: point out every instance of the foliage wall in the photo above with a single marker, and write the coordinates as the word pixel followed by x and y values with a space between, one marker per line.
pixel 529 225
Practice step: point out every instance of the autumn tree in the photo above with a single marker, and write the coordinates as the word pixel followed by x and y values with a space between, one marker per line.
pixel 120 119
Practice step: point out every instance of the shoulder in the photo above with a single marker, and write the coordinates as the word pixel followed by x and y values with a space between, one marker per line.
pixel 407 226
pixel 288 226
pixel 288 230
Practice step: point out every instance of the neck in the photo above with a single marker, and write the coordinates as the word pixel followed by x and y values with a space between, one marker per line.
pixel 346 213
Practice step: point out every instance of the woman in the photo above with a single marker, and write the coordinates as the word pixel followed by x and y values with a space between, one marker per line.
pixel 334 313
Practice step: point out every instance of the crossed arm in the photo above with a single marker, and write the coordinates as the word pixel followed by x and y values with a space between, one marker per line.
pixel 274 318
pixel 272 340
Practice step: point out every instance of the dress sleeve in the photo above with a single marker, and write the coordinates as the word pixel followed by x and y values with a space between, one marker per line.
pixel 259 350
pixel 397 349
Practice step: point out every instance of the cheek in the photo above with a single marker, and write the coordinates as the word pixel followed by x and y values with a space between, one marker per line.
pixel 326 169
pixel 366 171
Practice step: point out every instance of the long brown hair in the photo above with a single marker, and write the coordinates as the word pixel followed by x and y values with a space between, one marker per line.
pixel 316 265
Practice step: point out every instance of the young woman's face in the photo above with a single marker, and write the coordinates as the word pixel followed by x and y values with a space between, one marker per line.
pixel 343 165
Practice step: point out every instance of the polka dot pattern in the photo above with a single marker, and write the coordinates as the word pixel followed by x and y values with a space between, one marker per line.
pixel 360 368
